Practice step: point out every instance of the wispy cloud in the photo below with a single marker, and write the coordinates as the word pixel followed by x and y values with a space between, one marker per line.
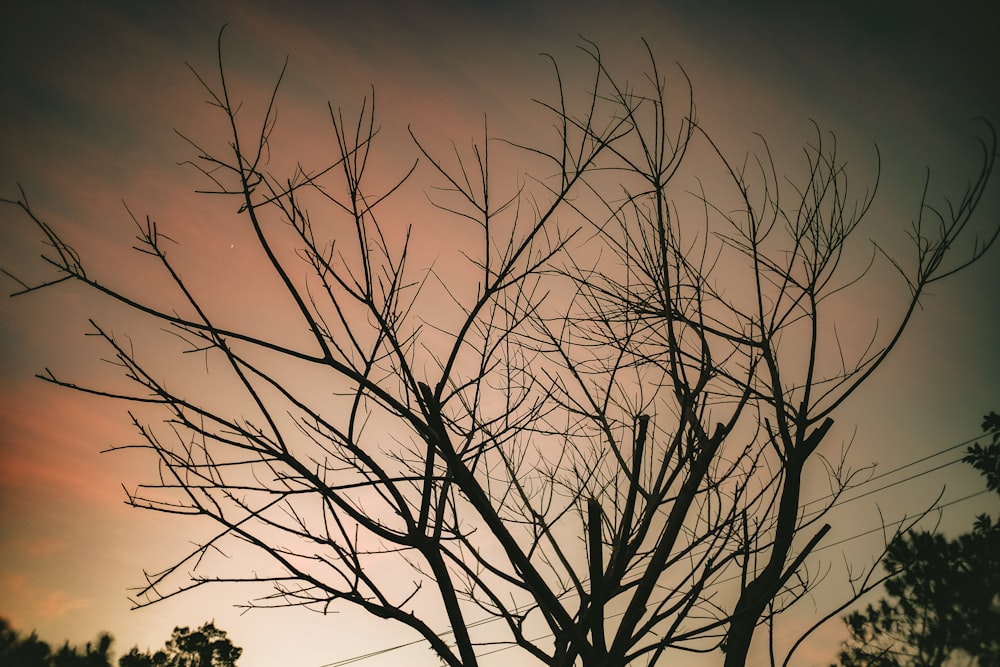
pixel 37 604
pixel 51 440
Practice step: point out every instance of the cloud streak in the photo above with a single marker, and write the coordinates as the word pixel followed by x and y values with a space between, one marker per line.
pixel 95 99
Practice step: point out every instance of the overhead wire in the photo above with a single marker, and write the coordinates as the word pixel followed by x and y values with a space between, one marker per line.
pixel 839 502
pixel 887 473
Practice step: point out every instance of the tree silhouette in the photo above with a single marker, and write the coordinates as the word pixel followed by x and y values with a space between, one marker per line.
pixel 944 596
pixel 589 444
pixel 986 458
pixel 20 651
pixel 207 646
pixel 30 651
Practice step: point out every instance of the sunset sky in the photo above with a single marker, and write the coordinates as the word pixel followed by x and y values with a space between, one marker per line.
pixel 91 94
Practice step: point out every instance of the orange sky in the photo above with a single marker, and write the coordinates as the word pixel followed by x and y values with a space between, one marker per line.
pixel 90 98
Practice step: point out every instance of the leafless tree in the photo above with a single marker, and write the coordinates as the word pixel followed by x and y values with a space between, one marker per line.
pixel 589 448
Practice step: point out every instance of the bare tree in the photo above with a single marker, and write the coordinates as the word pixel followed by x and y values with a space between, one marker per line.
pixel 595 442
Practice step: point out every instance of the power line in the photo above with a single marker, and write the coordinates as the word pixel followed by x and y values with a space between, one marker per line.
pixel 896 523
pixel 844 501
pixel 902 467
pixel 737 576
pixel 486 620
pixel 373 654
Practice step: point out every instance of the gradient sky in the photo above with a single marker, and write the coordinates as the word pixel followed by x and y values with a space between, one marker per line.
pixel 91 93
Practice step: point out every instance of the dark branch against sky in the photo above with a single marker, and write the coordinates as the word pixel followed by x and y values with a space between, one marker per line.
pixel 90 94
